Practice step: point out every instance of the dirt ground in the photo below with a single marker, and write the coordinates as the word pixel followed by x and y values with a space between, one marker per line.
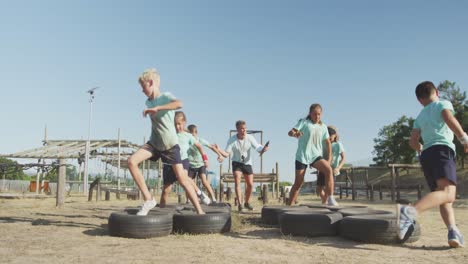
pixel 34 231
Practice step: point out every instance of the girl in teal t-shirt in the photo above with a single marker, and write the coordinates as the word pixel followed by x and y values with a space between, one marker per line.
pixel 312 134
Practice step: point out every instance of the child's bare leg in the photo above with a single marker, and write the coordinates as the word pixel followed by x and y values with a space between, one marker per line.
pixel 133 162
pixel 187 184
pixel 324 167
pixel 445 193
pixel 207 186
pixel 248 186
pixel 446 211
pixel 164 194
pixel 237 179
pixel 296 186
pixel 322 194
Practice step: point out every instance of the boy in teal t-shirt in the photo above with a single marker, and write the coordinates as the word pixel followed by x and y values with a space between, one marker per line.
pixel 436 125
pixel 163 142
pixel 198 162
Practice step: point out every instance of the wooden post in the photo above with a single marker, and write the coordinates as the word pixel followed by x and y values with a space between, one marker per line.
pixel 341 192
pixel 160 174
pixel 353 190
pixel 221 185
pixel 277 180
pixel 392 187
pixel 397 181
pixel 107 195
pixel 221 192
pixel 98 191
pixel 265 194
pixel 228 193
pixel 372 192
pixel 380 192
pixel 367 183
pixel 419 191
pixel 62 174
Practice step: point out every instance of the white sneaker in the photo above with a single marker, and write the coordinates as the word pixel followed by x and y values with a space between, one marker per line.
pixel 331 201
pixel 204 198
pixel 147 206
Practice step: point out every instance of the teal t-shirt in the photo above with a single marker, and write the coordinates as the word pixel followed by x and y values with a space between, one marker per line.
pixel 434 130
pixel 194 156
pixel 163 132
pixel 337 149
pixel 186 141
pixel 310 144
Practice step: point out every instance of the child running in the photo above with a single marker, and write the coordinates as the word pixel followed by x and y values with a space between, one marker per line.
pixel 436 125
pixel 312 134
pixel 198 161
pixel 337 161
pixel 240 146
pixel 186 141
pixel 163 142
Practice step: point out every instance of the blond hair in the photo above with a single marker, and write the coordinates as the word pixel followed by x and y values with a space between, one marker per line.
pixel 150 74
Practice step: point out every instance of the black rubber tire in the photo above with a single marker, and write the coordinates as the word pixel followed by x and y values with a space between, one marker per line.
pixel 310 224
pixel 211 222
pixel 225 207
pixel 375 229
pixel 363 211
pixel 128 224
pixel 334 208
pixel 270 213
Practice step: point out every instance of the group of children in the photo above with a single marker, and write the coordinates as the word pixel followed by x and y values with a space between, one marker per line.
pixel 318 147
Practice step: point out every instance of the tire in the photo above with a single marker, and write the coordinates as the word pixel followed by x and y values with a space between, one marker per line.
pixel 211 222
pixel 225 207
pixel 270 213
pixel 334 208
pixel 310 224
pixel 129 225
pixel 363 211
pixel 375 229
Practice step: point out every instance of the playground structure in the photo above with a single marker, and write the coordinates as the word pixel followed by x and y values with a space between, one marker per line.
pixel 113 152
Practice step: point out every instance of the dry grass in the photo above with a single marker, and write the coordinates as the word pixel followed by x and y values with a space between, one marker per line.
pixel 35 231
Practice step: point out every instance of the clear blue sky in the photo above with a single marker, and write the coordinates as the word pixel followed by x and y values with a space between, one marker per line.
pixel 261 61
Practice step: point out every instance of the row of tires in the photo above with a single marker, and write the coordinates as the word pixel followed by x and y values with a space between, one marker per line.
pixel 171 219
pixel 357 223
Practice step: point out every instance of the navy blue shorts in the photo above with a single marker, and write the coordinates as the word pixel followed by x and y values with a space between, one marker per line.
pixel 170 156
pixel 438 162
pixel 244 168
pixel 194 172
pixel 169 176
pixel 302 166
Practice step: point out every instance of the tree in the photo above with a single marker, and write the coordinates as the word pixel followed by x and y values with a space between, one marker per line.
pixel 11 170
pixel 391 144
pixel 450 91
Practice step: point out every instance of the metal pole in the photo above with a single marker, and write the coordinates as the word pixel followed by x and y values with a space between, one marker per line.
pixel 261 157
pixel 118 156
pixel 88 143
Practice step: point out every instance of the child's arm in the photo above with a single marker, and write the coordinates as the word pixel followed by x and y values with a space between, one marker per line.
pixel 329 148
pixel 295 133
pixel 215 150
pixel 200 149
pixel 342 162
pixel 456 128
pixel 222 152
pixel 173 105
pixel 414 140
